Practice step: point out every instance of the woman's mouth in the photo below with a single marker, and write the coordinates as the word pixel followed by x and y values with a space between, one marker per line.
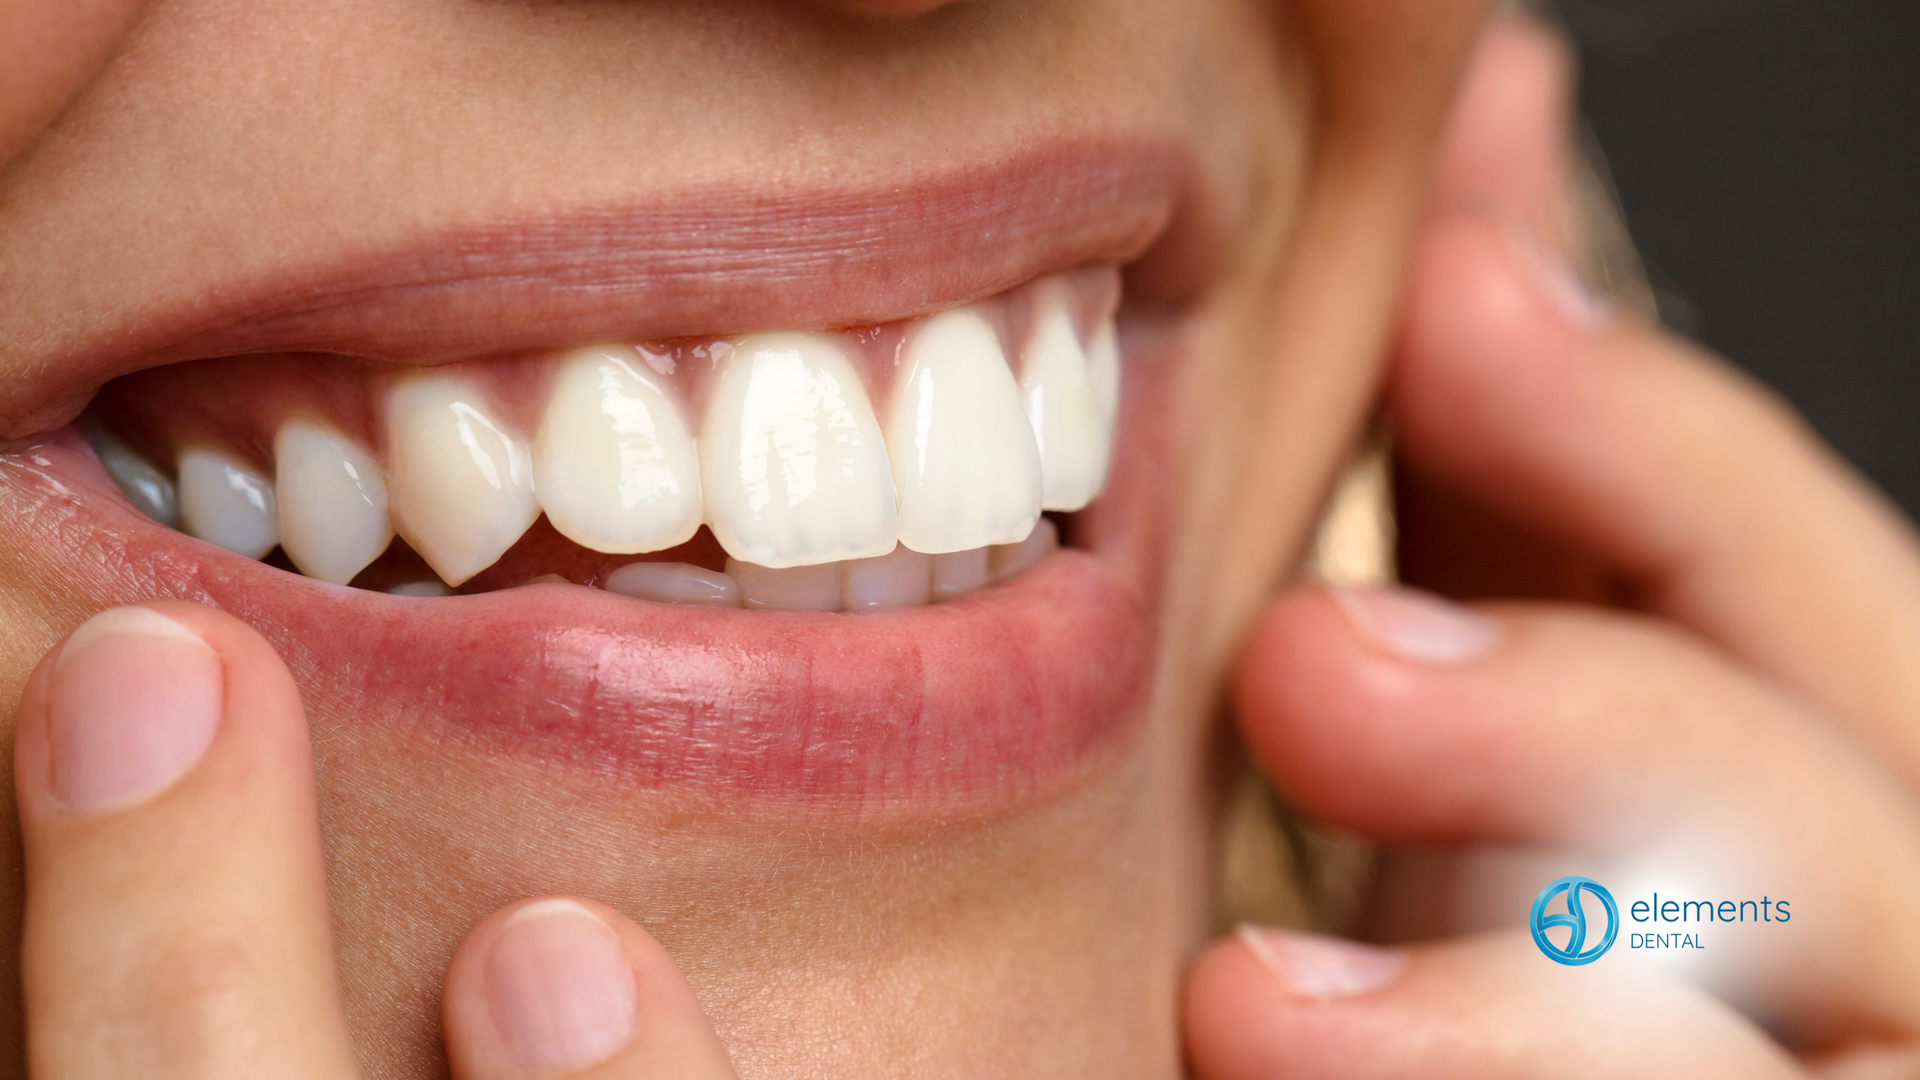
pixel 904 563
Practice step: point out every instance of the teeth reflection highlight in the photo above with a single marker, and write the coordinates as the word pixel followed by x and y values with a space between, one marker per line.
pixel 227 502
pixel 798 588
pixel 964 459
pixel 461 484
pixel 675 583
pixel 900 579
pixel 614 466
pixel 149 490
pixel 333 502
pixel 791 459
pixel 1056 387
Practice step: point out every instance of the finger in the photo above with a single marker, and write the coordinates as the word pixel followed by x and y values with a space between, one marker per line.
pixel 1509 136
pixel 1407 719
pixel 1711 500
pixel 176 912
pixel 1270 1003
pixel 563 987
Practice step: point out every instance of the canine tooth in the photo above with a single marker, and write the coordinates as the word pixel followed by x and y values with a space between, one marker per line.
pixel 1103 366
pixel 964 459
pixel 461 485
pixel 675 583
pixel 145 486
pixel 420 588
pixel 900 579
pixel 1056 386
pixel 791 459
pixel 798 588
pixel 226 502
pixel 333 501
pixel 613 465
pixel 958 573
pixel 1009 560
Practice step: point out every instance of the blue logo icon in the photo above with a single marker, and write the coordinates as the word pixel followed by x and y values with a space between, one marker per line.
pixel 1575 951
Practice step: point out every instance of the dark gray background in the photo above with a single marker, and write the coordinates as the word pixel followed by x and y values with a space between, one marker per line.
pixel 1767 154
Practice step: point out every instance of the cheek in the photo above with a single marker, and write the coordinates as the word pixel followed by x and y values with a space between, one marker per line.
pixel 48 52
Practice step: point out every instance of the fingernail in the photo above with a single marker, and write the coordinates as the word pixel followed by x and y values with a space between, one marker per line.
pixel 559 985
pixel 134 701
pixel 1568 290
pixel 1417 625
pixel 1321 967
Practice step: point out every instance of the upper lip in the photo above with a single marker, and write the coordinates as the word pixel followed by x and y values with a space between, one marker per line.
pixel 711 261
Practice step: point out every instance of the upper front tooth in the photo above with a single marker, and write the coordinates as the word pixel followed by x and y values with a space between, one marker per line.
pixel 462 486
pixel 1057 389
pixel 227 502
pixel 964 458
pixel 614 466
pixel 333 502
pixel 791 459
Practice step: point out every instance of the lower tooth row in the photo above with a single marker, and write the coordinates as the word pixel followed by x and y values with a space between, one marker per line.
pixel 793 470
pixel 903 578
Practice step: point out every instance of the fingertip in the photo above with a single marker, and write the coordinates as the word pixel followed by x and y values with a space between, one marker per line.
pixel 1265 998
pixel 1509 135
pixel 1352 705
pixel 133 699
pixel 568 986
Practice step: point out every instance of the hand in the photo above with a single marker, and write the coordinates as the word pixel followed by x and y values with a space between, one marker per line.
pixel 1744 728
pixel 177 920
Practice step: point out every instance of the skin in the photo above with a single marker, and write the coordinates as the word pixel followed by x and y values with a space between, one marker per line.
pixel 976 943
pixel 1505 401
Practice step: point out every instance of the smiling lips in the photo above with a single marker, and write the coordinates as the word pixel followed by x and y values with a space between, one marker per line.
pixel 901 465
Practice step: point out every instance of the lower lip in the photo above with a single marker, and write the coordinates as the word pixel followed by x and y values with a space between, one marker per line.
pixel 998 696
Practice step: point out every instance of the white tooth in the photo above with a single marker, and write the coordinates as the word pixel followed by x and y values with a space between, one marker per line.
pixel 146 487
pixel 675 583
pixel 902 579
pixel 420 588
pixel 613 464
pixel 799 588
pixel 333 501
pixel 958 573
pixel 1009 560
pixel 1056 386
pixel 964 458
pixel 1103 368
pixel 791 459
pixel 462 486
pixel 225 502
